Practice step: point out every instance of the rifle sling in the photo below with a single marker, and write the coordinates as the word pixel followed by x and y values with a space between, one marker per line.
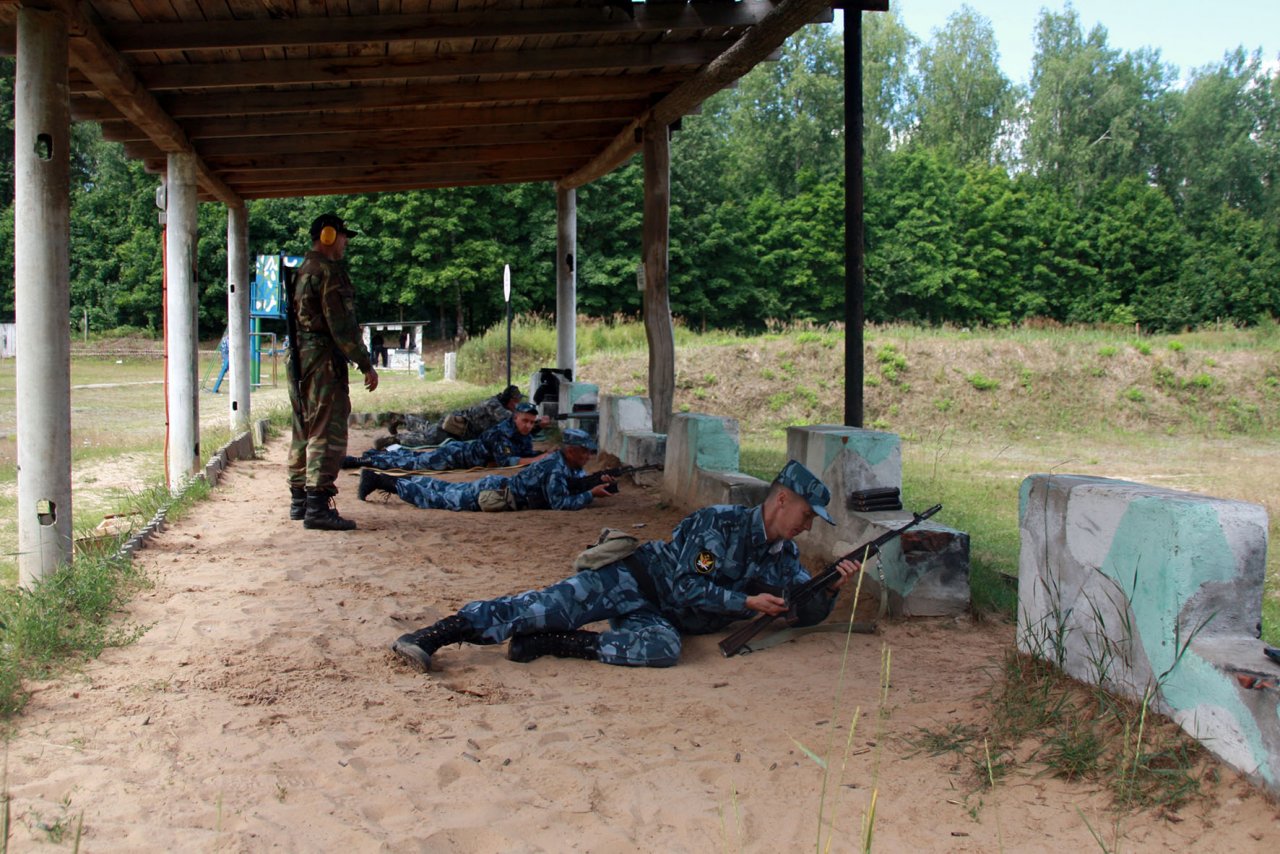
pixel 644 580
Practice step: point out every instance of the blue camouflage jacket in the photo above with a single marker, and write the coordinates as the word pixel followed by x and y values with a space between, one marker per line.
pixel 544 485
pixel 715 554
pixel 503 445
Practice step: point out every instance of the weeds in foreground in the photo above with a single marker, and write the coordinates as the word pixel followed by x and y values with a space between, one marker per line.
pixel 1047 723
pixel 68 616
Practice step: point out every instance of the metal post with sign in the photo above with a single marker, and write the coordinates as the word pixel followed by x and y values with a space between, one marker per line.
pixel 506 296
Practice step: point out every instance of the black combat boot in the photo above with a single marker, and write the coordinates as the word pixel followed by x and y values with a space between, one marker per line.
pixel 297 503
pixel 417 647
pixel 322 515
pixel 372 480
pixel 525 648
pixel 350 462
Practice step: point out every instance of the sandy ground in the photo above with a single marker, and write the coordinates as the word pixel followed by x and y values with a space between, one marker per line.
pixel 262 710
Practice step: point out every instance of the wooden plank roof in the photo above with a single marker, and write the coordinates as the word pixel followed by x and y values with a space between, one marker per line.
pixel 303 97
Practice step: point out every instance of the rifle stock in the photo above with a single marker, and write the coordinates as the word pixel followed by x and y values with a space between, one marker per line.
pixel 736 642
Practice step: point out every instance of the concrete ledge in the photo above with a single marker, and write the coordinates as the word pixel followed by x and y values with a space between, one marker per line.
pixel 1151 592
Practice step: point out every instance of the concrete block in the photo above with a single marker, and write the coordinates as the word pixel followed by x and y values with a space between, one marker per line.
pixel 847 458
pixel 1151 592
pixel 697 444
pixel 620 415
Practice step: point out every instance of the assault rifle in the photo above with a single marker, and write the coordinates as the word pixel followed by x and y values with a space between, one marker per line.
pixel 591 481
pixel 737 642
pixel 293 368
pixel 592 415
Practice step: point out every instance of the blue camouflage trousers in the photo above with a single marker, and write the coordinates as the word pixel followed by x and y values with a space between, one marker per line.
pixel 431 494
pixel 639 635
pixel 401 458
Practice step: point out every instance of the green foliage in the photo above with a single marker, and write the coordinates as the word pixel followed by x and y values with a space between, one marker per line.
pixel 982 383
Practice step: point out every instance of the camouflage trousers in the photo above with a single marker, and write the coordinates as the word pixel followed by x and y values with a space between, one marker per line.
pixel 431 494
pixel 638 635
pixel 444 458
pixel 321 404
pixel 417 432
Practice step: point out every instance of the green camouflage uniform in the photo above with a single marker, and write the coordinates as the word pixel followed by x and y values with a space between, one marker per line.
pixel 328 337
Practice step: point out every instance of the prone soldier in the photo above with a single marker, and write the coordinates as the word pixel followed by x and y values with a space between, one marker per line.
pixel 504 444
pixel 544 485
pixel 699 582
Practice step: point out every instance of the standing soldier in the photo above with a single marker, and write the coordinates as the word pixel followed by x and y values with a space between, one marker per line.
pixel 324 336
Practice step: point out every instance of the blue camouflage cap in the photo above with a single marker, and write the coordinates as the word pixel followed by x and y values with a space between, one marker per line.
pixel 581 438
pixel 526 407
pixel 805 483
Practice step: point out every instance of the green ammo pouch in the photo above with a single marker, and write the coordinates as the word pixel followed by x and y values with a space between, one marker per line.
pixel 612 546
pixel 496 500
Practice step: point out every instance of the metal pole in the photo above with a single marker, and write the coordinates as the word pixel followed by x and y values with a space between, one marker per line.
pixel 42 294
pixel 180 320
pixel 238 316
pixel 855 271
pixel 506 296
pixel 567 280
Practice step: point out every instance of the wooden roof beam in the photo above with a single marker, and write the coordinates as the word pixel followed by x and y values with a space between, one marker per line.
pixel 514 23
pixel 91 53
pixel 401 186
pixel 592 87
pixel 754 46
pixel 351 69
pixel 371 123
pixel 299 144
pixel 416 156
pixel 394 176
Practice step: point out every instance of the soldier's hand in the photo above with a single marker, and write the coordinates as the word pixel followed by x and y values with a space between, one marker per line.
pixel 602 490
pixel 767 603
pixel 371 379
pixel 848 569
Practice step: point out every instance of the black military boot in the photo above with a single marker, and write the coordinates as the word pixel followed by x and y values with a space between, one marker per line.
pixel 525 648
pixel 297 503
pixel 322 515
pixel 417 647
pixel 350 462
pixel 372 480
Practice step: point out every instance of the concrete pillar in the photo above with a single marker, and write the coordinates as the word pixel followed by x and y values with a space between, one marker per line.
pixel 567 280
pixel 238 316
pixel 42 133
pixel 181 337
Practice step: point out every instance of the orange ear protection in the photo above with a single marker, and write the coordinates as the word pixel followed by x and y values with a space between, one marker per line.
pixel 328 235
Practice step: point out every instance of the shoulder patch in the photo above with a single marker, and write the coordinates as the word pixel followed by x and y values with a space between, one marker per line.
pixel 705 562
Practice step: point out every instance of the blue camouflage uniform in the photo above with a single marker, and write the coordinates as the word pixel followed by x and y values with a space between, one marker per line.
pixel 501 445
pixel 695 584
pixel 544 485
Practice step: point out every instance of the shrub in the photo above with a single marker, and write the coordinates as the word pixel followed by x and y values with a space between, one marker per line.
pixel 982 383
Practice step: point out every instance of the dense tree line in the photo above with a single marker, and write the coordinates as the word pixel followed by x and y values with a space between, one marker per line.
pixel 1105 191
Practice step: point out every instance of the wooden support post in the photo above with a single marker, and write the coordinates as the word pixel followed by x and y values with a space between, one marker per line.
pixel 42 294
pixel 657 305
pixel 238 339
pixel 567 280
pixel 181 336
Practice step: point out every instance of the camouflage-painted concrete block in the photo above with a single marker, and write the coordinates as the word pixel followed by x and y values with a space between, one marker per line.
pixel 847 458
pixel 702 461
pixel 619 416
pixel 1148 591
